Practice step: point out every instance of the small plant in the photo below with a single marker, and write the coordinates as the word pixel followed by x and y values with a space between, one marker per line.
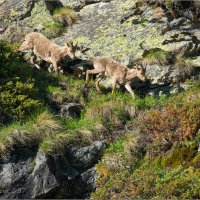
pixel 65 15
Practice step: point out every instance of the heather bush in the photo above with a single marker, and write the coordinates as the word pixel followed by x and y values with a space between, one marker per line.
pixel 162 160
pixel 18 94
pixel 17 100
pixel 167 125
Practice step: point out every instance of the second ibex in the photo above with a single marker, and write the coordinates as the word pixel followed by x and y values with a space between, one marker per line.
pixel 118 72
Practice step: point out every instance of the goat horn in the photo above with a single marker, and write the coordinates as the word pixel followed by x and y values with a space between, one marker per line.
pixel 143 67
pixel 71 42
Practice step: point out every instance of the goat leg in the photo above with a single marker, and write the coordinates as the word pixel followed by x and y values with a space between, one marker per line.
pixel 87 77
pixel 97 84
pixel 50 68
pixel 114 81
pixel 128 87
pixel 88 72
pixel 33 61
pixel 55 66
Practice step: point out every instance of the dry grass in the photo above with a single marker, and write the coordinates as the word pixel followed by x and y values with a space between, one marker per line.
pixel 65 15
pixel 30 133
pixel 157 56
pixel 45 123
pixel 131 144
pixel 60 142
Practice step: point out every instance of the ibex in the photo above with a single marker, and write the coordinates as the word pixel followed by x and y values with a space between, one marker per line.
pixel 46 50
pixel 118 72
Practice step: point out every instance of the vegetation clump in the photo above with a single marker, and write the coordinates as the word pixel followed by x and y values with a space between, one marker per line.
pixel 18 95
pixel 157 56
pixel 53 29
pixel 160 159
pixel 65 15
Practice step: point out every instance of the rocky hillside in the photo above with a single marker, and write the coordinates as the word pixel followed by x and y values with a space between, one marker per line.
pixel 59 139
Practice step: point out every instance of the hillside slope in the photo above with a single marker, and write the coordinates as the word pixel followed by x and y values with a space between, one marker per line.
pixel 59 139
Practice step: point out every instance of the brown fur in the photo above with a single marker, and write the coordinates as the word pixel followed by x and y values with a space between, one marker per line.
pixel 118 72
pixel 46 50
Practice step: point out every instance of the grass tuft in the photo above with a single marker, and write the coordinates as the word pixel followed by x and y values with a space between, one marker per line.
pixel 46 123
pixel 65 15
pixel 53 29
pixel 157 56
pixel 39 126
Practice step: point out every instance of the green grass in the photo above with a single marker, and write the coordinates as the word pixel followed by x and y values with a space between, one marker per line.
pixel 98 100
pixel 117 146
pixel 79 124
pixel 53 29
pixel 52 88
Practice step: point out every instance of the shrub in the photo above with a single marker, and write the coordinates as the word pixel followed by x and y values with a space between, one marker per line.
pixel 161 161
pixel 17 100
pixel 171 123
pixel 8 52
pixel 180 154
pixel 149 179
pixel 18 95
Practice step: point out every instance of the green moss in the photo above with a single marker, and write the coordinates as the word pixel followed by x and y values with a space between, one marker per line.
pixel 40 15
pixel 180 155
pixel 196 161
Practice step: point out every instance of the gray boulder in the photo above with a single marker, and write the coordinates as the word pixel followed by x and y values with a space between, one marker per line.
pixel 161 75
pixel 85 157
pixel 70 110
pixel 78 4
pixel 45 176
